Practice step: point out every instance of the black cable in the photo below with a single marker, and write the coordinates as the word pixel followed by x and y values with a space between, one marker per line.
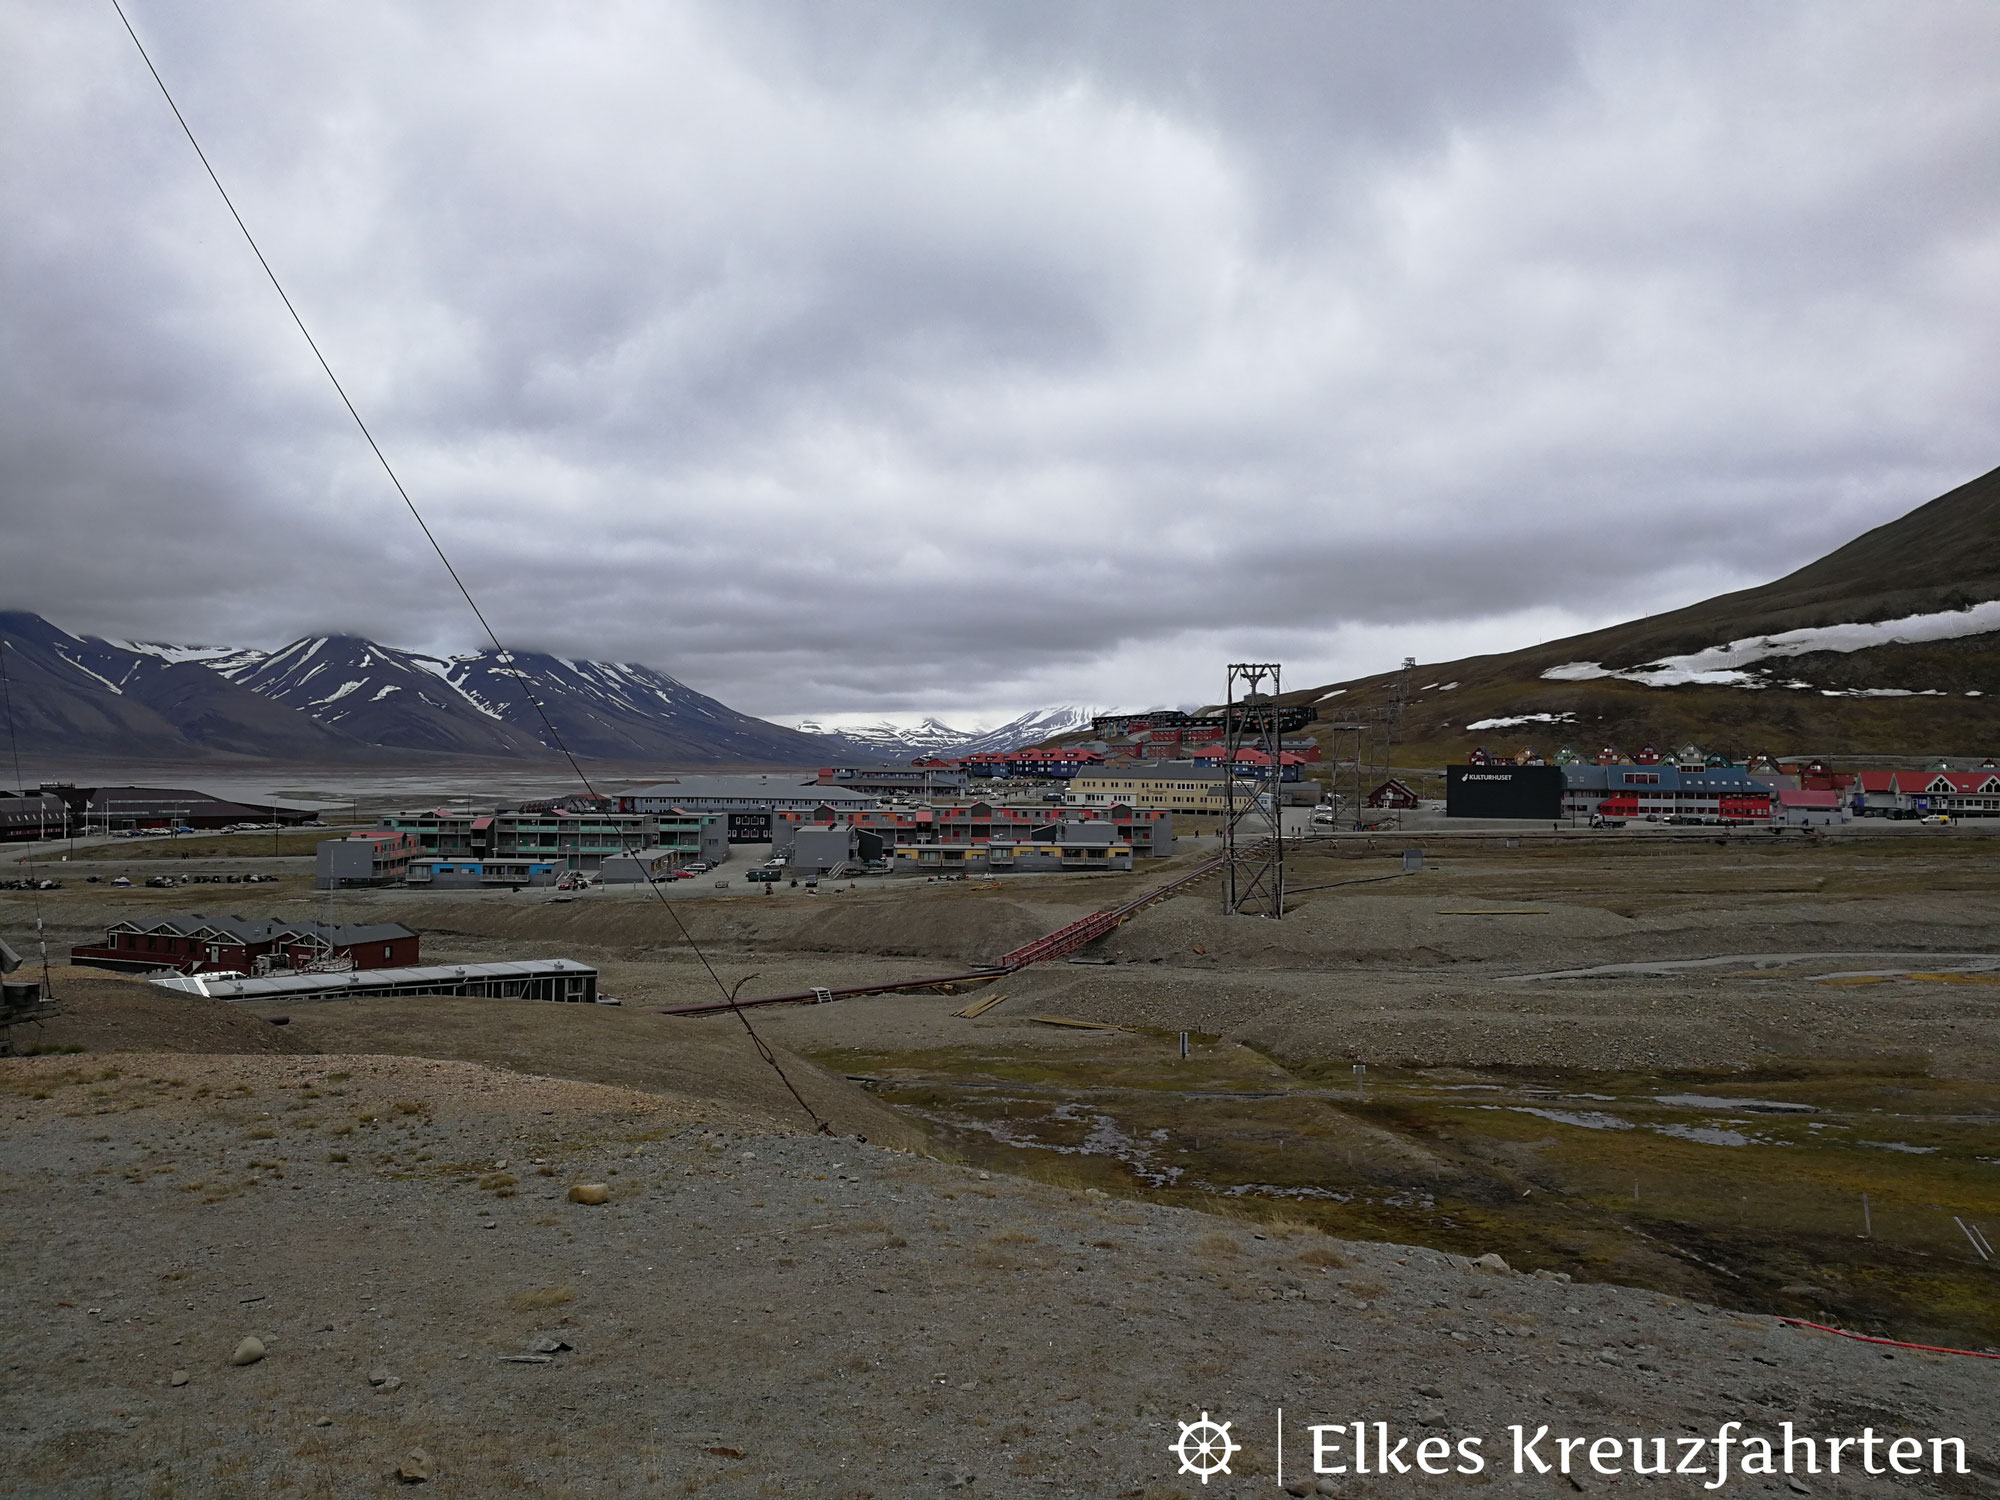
pixel 1358 880
pixel 34 881
pixel 505 657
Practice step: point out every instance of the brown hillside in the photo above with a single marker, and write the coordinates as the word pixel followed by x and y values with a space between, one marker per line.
pixel 1943 555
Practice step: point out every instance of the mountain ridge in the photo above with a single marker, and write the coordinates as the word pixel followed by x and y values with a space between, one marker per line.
pixel 1887 645
pixel 335 699
pixel 934 737
pixel 345 699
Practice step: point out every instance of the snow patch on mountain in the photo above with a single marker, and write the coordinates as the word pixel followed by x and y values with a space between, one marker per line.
pixel 1723 666
pixel 166 651
pixel 1515 720
pixel 931 736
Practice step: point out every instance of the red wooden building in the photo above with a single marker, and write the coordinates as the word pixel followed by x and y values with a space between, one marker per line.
pixel 1393 793
pixel 192 944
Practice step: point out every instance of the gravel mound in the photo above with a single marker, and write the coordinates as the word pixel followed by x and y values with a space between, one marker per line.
pixel 106 1012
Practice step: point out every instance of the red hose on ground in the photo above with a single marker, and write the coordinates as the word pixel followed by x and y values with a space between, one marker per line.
pixel 1892 1343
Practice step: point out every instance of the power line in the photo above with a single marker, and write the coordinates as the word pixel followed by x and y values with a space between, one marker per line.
pixel 34 880
pixel 505 657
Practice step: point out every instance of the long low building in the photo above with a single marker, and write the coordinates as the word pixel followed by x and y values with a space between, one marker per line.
pixel 1916 794
pixel 110 809
pixel 999 858
pixel 1720 794
pixel 558 979
pixel 571 840
pixel 894 781
pixel 747 803
pixel 1150 831
pixel 457 873
pixel 32 815
pixel 1176 786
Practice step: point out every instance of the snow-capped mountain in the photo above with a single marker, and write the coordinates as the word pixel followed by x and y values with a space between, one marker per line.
pixel 222 658
pixel 378 694
pixel 620 710
pixel 893 742
pixel 488 703
pixel 77 697
pixel 900 742
pixel 336 698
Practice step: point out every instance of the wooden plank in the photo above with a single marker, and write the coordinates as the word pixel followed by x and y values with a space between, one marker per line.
pixel 979 1008
pixel 1073 1022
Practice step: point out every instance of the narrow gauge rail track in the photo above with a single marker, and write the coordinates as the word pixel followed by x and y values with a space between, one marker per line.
pixel 1058 944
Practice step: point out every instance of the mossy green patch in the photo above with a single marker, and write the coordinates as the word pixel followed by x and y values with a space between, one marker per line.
pixel 1745 1188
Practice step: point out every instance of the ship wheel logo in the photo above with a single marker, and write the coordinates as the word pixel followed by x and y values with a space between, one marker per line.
pixel 1204 1448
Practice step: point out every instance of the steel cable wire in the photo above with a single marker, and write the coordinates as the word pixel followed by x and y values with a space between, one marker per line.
pixel 34 881
pixel 505 657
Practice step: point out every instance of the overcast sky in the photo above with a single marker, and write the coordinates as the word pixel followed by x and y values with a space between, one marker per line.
pixel 859 359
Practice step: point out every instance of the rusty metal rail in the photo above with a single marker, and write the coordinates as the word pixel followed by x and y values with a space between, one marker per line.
pixel 1085 930
pixel 1058 944
pixel 820 996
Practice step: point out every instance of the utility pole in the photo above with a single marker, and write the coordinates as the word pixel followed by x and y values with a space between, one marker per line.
pixel 1253 871
pixel 1399 698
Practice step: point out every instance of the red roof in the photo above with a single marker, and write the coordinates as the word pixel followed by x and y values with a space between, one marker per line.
pixel 1919 783
pixel 1787 797
pixel 1968 781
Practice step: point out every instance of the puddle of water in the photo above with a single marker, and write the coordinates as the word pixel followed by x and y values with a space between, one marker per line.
pixel 1708 1135
pixel 1903 1146
pixel 1139 1156
pixel 1589 1119
pixel 1271 1190
pixel 1755 1106
pixel 1104 1138
pixel 1600 1098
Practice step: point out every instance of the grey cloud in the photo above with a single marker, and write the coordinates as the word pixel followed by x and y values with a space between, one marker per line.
pixel 876 356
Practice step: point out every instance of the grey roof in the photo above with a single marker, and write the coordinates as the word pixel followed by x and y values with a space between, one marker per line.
pixel 701 788
pixel 915 772
pixel 1157 770
pixel 280 986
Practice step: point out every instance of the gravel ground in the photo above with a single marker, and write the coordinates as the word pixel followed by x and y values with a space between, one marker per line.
pixel 760 1313
pixel 1700 1021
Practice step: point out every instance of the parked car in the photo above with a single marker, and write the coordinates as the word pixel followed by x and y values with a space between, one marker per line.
pixel 698 868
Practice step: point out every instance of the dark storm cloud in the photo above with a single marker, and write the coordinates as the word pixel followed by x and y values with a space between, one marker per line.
pixel 950 358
